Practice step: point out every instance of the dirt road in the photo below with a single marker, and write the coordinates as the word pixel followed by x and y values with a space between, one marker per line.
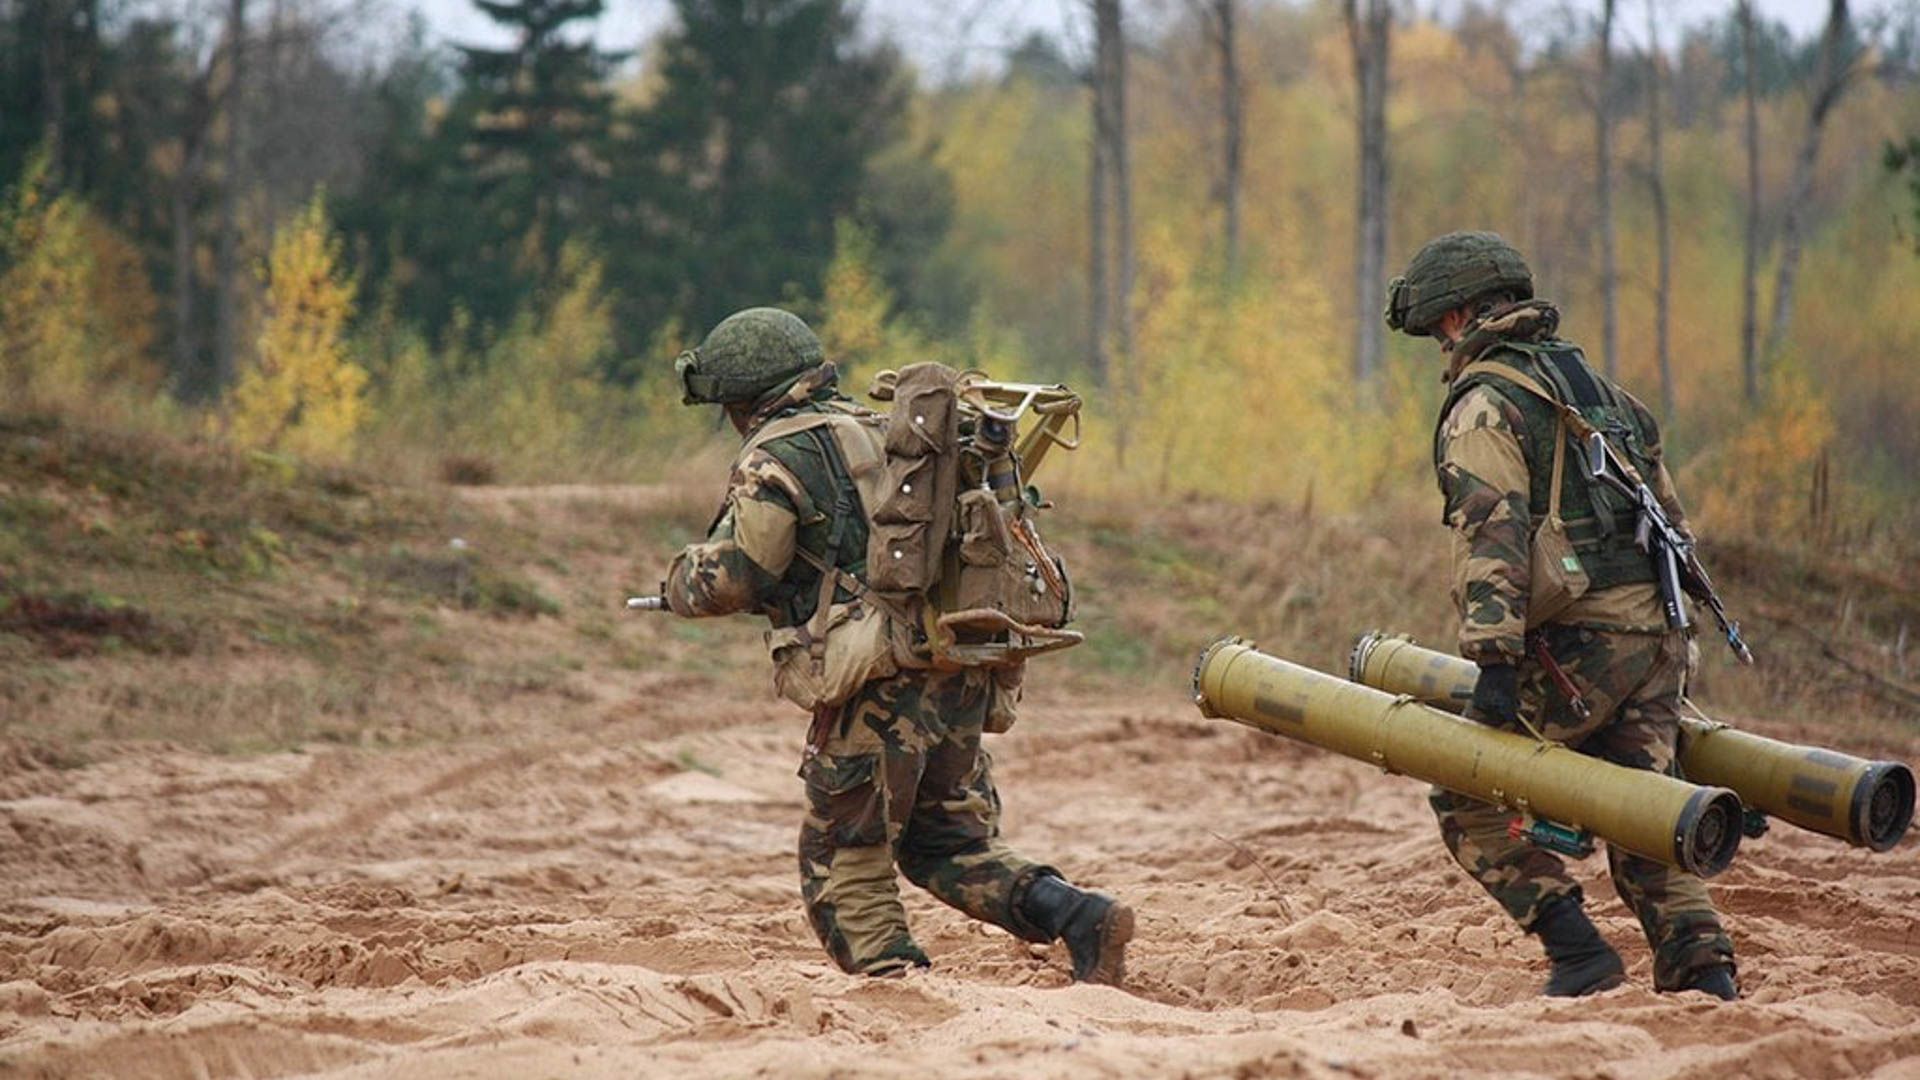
pixel 616 896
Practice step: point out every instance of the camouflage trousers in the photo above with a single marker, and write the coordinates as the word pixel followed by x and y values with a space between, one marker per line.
pixel 902 780
pixel 1632 683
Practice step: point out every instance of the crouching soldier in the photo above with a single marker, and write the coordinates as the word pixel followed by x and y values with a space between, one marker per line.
pixel 895 772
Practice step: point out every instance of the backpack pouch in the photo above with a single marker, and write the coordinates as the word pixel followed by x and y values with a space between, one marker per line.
pixel 859 650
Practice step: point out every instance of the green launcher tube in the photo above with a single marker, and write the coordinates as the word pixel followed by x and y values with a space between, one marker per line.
pixel 1686 825
pixel 1866 803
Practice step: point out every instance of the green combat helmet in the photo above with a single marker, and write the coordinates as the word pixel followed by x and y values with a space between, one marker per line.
pixel 1453 271
pixel 749 354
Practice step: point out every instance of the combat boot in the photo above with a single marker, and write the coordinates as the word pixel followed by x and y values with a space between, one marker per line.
pixel 1716 979
pixel 1096 928
pixel 1583 962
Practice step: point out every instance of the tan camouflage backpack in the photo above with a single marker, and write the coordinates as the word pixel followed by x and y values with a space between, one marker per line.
pixel 953 541
pixel 957 574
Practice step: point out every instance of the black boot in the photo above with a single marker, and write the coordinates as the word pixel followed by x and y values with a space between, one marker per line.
pixel 1583 962
pixel 1096 928
pixel 1716 980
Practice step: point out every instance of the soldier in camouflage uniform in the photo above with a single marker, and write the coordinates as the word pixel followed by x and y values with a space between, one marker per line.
pixel 1494 451
pixel 896 775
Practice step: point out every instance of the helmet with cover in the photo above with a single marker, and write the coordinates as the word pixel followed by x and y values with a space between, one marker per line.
pixel 750 354
pixel 1453 271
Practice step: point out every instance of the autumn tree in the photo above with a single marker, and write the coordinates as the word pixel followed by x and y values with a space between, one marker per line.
pixel 49 333
pixel 1220 25
pixel 302 393
pixel 1111 268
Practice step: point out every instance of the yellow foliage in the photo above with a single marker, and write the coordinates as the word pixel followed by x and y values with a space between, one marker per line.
pixel 856 327
pixel 534 390
pixel 122 299
pixel 1758 480
pixel 54 343
pixel 303 393
pixel 857 301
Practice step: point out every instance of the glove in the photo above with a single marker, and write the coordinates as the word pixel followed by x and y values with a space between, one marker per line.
pixel 1496 695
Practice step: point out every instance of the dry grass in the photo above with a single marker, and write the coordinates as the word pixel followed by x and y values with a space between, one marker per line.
pixel 153 589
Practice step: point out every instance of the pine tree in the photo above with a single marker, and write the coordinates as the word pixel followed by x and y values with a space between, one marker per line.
pixel 763 133
pixel 539 128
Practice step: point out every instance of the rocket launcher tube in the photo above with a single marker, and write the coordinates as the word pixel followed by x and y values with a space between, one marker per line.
pixel 1694 828
pixel 1866 803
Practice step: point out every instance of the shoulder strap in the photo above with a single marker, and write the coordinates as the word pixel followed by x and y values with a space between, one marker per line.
pixel 1515 376
pixel 786 425
pixel 1570 417
pixel 804 508
pixel 1560 410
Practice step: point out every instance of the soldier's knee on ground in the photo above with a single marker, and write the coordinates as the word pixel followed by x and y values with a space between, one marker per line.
pixel 853 904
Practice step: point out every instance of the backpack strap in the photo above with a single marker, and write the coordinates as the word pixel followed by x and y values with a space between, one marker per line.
pixel 1560 410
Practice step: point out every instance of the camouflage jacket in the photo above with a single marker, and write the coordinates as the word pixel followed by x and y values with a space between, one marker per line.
pixel 781 499
pixel 1486 478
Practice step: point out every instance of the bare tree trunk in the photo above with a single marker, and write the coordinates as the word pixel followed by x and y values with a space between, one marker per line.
pixel 185 185
pixel 1099 258
pixel 1603 164
pixel 53 65
pixel 1368 36
pixel 1113 307
pixel 1233 121
pixel 1662 227
pixel 226 312
pixel 1750 268
pixel 1122 195
pixel 1831 75
pixel 185 358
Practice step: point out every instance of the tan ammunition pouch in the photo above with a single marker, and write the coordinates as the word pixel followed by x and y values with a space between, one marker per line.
pixel 856 647
pixel 909 525
pixel 820 663
pixel 1003 565
pixel 1558 579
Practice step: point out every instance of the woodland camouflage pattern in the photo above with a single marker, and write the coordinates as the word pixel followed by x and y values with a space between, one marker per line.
pixel 1632 683
pixel 747 562
pixel 902 777
pixel 1486 479
pixel 1612 643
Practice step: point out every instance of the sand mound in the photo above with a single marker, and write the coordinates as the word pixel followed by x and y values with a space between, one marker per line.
pixel 623 904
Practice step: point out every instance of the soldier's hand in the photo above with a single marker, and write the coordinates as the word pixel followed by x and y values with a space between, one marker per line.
pixel 1496 695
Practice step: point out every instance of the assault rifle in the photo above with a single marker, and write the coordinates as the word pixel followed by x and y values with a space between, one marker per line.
pixel 1675 564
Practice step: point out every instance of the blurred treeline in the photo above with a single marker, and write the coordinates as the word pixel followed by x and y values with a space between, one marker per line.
pixel 275 224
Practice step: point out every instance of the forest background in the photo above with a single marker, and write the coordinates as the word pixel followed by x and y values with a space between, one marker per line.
pixel 295 226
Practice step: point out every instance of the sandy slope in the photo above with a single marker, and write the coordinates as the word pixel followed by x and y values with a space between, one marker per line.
pixel 615 896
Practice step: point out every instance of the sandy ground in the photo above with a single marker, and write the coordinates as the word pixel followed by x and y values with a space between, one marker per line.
pixel 616 896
